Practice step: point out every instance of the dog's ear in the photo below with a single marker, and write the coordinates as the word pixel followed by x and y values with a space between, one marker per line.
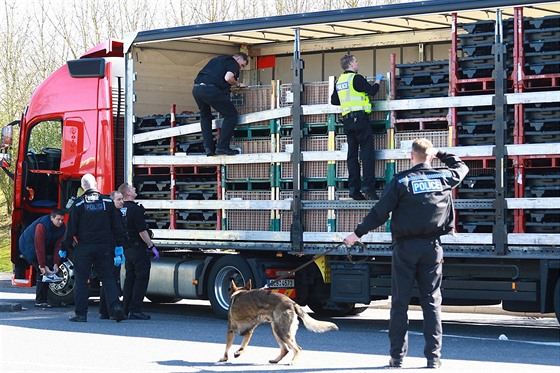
pixel 234 287
pixel 248 286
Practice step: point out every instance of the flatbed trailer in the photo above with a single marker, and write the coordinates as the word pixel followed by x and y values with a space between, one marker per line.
pixel 466 75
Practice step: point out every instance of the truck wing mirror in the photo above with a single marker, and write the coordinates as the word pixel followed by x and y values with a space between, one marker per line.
pixel 6 141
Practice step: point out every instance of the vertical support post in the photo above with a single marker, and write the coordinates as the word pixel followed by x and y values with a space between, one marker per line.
pixel 172 217
pixel 275 175
pixel 331 165
pixel 296 231
pixel 500 128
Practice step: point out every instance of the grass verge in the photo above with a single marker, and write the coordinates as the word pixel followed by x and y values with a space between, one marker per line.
pixel 5 261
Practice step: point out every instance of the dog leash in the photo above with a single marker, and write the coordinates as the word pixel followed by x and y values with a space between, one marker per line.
pixel 293 271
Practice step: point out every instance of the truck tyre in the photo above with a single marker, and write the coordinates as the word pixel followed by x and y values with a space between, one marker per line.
pixel 62 293
pixel 557 300
pixel 227 268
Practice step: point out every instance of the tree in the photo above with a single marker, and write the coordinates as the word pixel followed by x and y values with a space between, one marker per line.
pixel 36 37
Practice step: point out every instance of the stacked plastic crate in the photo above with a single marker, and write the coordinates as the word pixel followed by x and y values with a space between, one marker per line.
pixel 532 64
pixel 251 100
pixel 190 183
pixel 318 177
pixel 538 59
pixel 315 182
pixel 472 72
pixel 314 93
pixel 420 80
pixel 248 181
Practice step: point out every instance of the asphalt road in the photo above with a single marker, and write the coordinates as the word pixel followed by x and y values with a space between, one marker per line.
pixel 186 337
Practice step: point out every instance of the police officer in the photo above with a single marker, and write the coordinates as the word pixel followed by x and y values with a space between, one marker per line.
pixel 104 313
pixel 212 90
pixel 137 263
pixel 422 210
pixel 352 92
pixel 96 225
pixel 39 244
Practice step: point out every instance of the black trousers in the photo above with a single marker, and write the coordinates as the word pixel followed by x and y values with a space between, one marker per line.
pixel 104 308
pixel 208 97
pixel 137 267
pixel 359 135
pixel 98 256
pixel 417 260
pixel 42 288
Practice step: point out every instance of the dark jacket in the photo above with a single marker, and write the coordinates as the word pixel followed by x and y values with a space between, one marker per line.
pixel 135 223
pixel 52 238
pixel 215 71
pixel 420 200
pixel 94 219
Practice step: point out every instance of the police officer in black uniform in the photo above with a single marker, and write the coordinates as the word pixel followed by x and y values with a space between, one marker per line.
pixel 422 210
pixel 95 224
pixel 138 248
pixel 352 92
pixel 212 90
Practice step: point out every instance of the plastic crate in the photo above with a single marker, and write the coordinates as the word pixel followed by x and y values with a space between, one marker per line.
pixel 311 170
pixel 249 195
pixel 342 169
pixel 252 220
pixel 316 93
pixel 249 220
pixel 249 171
pixel 348 220
pixel 252 99
pixel 253 145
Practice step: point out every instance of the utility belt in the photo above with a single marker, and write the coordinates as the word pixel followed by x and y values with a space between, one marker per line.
pixel 355 114
pixel 135 245
pixel 430 236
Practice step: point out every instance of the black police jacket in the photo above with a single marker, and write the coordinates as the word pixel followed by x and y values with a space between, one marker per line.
pixel 135 222
pixel 94 219
pixel 420 201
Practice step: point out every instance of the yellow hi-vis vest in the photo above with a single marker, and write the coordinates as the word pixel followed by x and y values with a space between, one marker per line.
pixel 350 99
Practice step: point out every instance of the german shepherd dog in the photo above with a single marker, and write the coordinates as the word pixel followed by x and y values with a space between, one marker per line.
pixel 250 308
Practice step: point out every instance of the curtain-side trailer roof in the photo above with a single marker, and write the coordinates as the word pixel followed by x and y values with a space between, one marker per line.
pixel 421 16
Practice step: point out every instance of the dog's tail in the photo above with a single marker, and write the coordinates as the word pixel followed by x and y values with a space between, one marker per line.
pixel 314 325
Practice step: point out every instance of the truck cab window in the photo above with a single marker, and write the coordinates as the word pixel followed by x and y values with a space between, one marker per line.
pixel 41 166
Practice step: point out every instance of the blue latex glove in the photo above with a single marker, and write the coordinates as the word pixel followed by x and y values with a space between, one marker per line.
pixel 118 260
pixel 62 254
pixel 118 250
pixel 379 77
pixel 156 253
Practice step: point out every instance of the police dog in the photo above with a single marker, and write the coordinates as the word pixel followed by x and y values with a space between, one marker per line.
pixel 250 308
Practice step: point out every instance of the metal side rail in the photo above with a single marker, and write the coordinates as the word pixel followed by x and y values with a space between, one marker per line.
pixel 313 156
pixel 343 204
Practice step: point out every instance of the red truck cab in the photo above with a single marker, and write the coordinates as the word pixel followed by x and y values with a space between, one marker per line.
pixel 73 125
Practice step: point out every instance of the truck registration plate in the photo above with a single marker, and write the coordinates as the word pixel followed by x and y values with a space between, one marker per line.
pixel 284 283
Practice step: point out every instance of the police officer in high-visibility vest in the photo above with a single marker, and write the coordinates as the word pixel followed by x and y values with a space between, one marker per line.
pixel 352 92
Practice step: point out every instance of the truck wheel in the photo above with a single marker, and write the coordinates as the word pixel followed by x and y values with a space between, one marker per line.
pixel 227 268
pixel 62 293
pixel 557 300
